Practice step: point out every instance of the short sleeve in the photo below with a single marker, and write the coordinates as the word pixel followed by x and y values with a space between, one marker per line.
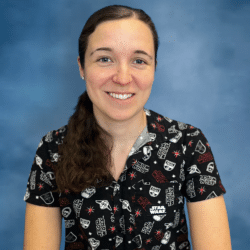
pixel 202 179
pixel 41 181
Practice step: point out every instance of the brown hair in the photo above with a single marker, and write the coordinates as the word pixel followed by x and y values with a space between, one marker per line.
pixel 113 12
pixel 85 157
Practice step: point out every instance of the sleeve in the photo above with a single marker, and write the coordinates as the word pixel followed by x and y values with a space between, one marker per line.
pixel 41 181
pixel 202 179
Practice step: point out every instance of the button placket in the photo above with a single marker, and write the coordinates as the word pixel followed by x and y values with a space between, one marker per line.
pixel 117 208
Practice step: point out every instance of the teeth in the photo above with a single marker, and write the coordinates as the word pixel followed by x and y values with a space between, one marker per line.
pixel 122 97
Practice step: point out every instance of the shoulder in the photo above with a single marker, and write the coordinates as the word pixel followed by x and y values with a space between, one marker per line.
pixel 55 136
pixel 182 135
pixel 50 142
pixel 173 126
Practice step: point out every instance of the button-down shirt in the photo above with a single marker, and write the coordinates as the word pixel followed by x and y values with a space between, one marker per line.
pixel 170 163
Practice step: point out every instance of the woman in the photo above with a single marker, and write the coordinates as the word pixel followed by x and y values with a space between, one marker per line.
pixel 118 173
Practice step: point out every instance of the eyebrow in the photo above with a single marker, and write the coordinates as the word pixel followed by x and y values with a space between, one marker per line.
pixel 102 48
pixel 109 49
pixel 144 53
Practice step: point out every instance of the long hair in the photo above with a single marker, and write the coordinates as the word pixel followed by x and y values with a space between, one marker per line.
pixel 85 156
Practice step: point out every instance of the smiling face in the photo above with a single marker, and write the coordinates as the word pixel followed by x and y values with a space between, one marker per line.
pixel 119 63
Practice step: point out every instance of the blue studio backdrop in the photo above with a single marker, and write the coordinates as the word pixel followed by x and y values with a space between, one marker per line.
pixel 202 78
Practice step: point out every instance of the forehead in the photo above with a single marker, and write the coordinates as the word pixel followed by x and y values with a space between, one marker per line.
pixel 122 34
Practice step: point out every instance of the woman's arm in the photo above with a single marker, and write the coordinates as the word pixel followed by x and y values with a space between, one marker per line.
pixel 209 224
pixel 43 226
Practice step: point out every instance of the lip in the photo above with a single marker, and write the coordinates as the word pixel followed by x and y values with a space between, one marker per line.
pixel 129 100
pixel 121 93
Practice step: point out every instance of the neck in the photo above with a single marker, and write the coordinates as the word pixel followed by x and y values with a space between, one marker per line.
pixel 125 132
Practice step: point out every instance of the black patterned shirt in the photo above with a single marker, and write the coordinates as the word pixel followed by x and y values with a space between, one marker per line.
pixel 144 209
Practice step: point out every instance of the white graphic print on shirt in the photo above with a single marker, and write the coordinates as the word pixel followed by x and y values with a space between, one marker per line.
pixel 144 209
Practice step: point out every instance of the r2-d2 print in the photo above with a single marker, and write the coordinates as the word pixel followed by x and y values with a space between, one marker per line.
pixel 154 191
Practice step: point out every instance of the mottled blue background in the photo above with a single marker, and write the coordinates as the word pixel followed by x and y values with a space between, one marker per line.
pixel 202 78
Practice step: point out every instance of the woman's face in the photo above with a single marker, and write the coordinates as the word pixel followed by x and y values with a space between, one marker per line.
pixel 119 62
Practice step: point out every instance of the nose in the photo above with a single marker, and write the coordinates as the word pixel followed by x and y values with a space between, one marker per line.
pixel 122 75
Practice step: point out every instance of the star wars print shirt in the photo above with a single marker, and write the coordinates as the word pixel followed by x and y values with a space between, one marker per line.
pixel 170 163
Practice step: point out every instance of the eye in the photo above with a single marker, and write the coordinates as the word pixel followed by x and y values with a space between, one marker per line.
pixel 139 61
pixel 104 59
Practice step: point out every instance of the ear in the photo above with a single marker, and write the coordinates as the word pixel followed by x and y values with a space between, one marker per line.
pixel 80 67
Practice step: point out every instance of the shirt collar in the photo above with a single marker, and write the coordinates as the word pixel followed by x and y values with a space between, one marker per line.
pixel 158 130
pixel 160 127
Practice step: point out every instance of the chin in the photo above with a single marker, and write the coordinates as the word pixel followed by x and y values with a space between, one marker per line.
pixel 123 115
pixel 120 117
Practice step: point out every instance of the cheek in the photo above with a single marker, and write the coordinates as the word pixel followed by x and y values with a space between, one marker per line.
pixel 146 82
pixel 93 82
pixel 96 78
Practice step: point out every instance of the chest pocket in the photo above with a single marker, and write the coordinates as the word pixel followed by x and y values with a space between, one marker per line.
pixel 157 211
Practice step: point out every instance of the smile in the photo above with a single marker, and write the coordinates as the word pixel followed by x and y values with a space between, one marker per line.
pixel 120 96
